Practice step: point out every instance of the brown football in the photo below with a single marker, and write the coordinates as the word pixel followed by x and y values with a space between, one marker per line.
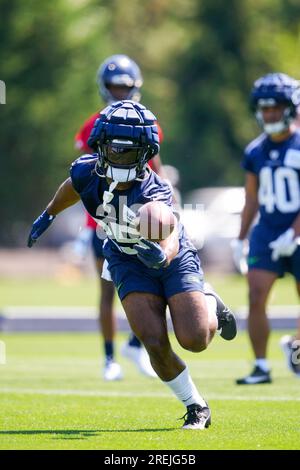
pixel 155 221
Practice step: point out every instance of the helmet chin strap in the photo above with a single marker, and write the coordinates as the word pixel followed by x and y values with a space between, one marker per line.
pixel 118 176
pixel 108 195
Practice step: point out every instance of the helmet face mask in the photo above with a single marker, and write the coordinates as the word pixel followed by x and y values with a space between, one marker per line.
pixel 119 92
pixel 271 91
pixel 119 71
pixel 120 152
pixel 274 118
pixel 122 160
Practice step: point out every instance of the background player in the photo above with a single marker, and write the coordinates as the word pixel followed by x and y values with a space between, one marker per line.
pixel 148 275
pixel 272 164
pixel 118 78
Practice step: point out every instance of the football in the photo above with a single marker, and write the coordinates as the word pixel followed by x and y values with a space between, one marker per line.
pixel 155 221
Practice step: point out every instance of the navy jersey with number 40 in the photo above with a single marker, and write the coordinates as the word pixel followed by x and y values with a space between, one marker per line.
pixel 277 166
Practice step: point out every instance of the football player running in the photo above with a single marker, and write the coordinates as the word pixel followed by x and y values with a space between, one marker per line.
pixel 272 164
pixel 118 78
pixel 113 184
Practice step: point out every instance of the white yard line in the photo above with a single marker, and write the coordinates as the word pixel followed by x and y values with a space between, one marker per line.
pixel 91 393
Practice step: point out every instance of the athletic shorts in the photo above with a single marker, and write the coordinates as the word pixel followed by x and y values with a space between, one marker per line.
pixel 260 253
pixel 97 245
pixel 184 274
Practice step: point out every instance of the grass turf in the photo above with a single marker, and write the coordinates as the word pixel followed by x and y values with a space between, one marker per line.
pixel 80 291
pixel 52 397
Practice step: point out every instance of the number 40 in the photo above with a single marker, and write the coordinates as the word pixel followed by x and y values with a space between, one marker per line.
pixel 282 193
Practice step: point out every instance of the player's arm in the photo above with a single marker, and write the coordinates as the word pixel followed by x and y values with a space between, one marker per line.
pixel 64 197
pixel 251 204
pixel 240 246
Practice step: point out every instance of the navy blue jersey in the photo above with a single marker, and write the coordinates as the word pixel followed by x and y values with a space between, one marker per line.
pixel 277 166
pixel 117 217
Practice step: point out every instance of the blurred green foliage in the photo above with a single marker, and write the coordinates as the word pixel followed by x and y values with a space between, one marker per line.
pixel 198 58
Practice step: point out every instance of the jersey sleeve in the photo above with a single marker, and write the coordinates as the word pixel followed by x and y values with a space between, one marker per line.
pixel 160 191
pixel 81 171
pixel 83 134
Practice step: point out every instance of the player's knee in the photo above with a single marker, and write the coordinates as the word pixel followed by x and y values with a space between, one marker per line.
pixel 257 296
pixel 195 343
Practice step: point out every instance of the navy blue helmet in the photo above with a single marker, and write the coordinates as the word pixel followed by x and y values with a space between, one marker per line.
pixel 125 136
pixel 120 70
pixel 272 89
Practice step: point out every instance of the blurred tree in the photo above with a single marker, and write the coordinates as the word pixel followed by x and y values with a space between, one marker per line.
pixel 235 42
pixel 34 61
pixel 198 59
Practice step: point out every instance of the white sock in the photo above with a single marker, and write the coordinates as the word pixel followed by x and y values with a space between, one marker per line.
pixel 185 389
pixel 263 364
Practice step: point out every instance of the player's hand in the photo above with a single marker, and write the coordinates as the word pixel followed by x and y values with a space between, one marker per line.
pixel 240 250
pixel 285 245
pixel 39 226
pixel 151 254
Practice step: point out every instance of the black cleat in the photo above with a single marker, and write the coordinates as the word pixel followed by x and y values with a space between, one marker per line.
pixel 257 376
pixel 197 417
pixel 226 319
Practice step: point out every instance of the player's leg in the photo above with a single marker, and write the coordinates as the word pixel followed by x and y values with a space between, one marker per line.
pixel 147 318
pixel 146 314
pixel 106 311
pixel 107 322
pixel 196 317
pixel 196 310
pixel 133 348
pixel 194 324
pixel 260 283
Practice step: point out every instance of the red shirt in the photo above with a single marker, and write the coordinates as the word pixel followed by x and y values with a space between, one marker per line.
pixel 81 139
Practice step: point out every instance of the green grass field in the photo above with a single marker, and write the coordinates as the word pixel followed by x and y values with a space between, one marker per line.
pixel 52 397
pixel 81 291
